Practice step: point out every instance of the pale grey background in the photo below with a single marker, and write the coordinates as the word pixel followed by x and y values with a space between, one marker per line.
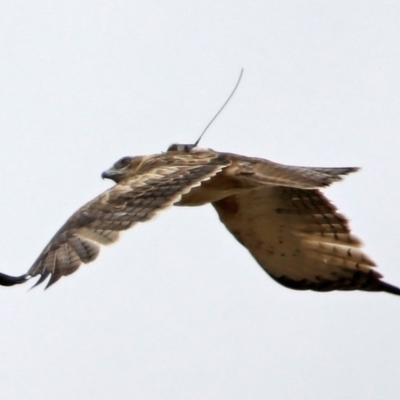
pixel 178 309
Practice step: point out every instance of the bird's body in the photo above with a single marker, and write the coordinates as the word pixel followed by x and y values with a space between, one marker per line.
pixel 276 211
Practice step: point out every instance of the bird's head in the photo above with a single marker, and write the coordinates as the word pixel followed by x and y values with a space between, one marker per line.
pixel 122 168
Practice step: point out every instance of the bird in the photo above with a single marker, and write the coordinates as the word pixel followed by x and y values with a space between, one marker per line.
pixel 277 212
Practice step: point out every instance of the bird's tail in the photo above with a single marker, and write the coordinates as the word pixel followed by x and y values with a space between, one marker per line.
pixel 296 177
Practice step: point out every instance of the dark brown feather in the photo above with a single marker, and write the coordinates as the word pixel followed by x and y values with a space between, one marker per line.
pixel 152 184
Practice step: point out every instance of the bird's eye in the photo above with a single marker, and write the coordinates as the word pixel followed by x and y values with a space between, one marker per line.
pixel 123 162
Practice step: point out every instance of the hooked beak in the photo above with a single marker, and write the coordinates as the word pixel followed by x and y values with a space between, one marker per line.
pixel 110 174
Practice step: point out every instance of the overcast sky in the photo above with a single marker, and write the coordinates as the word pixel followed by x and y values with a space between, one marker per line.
pixel 178 309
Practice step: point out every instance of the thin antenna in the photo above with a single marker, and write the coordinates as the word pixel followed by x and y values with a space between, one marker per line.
pixel 219 112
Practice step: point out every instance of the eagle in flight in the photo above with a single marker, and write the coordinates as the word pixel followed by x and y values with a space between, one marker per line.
pixel 276 211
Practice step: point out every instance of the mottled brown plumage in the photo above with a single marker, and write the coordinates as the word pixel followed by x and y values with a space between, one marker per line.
pixel 276 211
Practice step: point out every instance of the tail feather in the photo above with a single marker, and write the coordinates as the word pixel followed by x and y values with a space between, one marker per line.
pixel 271 173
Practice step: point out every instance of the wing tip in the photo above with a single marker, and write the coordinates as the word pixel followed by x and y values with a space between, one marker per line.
pixel 388 288
pixel 8 280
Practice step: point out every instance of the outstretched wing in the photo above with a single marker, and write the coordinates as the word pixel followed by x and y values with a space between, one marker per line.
pixel 298 237
pixel 135 199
